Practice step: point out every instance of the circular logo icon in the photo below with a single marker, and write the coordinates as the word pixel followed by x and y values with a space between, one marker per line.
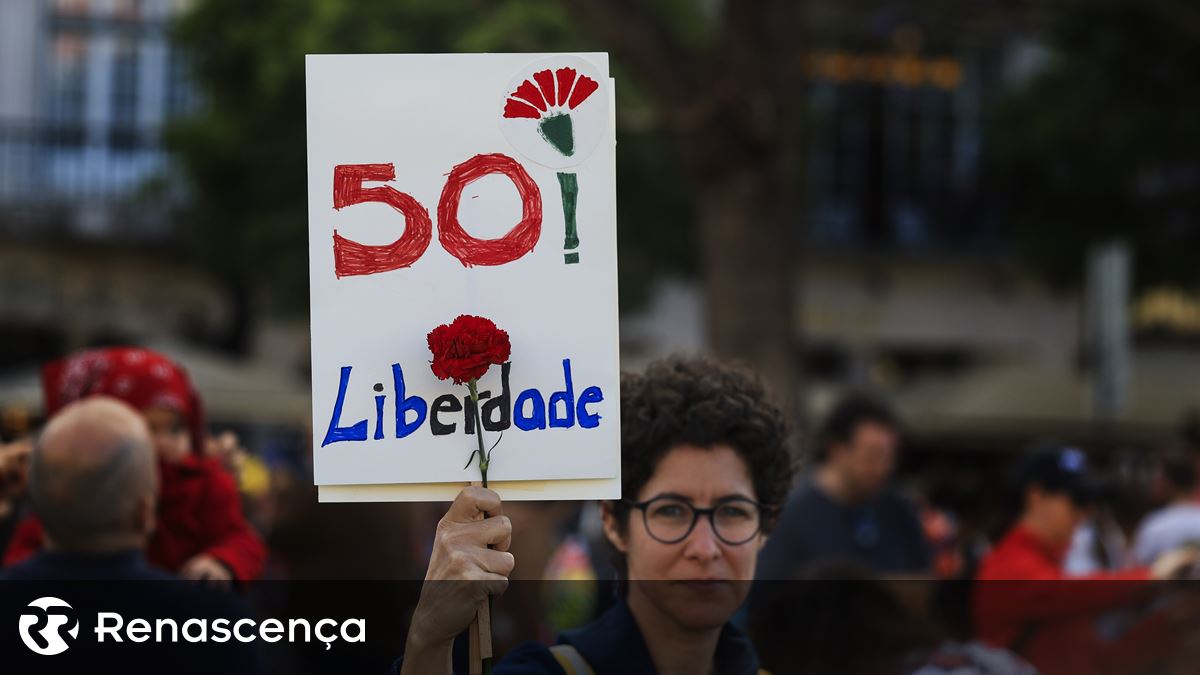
pixel 555 112
pixel 43 624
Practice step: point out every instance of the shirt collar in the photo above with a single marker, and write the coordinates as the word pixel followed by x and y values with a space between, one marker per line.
pixel 613 644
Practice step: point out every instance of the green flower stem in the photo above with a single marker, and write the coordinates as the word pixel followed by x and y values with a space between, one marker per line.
pixel 568 184
pixel 483 459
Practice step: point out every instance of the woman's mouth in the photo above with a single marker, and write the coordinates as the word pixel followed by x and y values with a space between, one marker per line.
pixel 704 585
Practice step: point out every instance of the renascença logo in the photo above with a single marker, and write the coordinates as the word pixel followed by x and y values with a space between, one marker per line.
pixel 42 626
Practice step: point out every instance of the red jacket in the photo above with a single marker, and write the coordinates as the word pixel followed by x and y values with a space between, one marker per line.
pixel 1024 602
pixel 199 511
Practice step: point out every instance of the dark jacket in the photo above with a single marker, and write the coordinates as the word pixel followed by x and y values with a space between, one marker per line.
pixel 613 645
pixel 120 583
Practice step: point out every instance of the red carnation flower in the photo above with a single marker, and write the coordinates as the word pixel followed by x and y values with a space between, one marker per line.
pixel 464 349
pixel 548 98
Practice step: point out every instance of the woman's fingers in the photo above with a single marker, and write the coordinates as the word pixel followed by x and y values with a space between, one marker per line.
pixel 494 584
pixel 496 562
pixel 496 532
pixel 471 502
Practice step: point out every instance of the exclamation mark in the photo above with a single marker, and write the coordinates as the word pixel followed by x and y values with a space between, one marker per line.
pixel 569 186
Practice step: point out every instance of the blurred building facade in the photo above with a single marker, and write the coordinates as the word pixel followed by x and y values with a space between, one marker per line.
pixel 89 251
pixel 909 286
pixel 85 88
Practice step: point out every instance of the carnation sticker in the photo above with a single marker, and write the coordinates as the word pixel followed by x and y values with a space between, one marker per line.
pixel 561 100
pixel 462 252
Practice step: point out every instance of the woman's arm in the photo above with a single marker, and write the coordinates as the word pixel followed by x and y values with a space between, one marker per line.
pixel 462 572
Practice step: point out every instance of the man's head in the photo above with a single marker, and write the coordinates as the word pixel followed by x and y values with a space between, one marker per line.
pixel 858 443
pixel 703 468
pixel 93 478
pixel 1055 491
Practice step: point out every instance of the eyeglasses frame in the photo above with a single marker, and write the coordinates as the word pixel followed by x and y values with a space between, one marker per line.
pixel 765 511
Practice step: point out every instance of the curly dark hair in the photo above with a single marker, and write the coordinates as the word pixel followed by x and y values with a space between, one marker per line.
pixel 698 401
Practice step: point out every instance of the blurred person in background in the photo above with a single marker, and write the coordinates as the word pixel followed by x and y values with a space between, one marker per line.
pixel 1099 542
pixel 14 468
pixel 94 484
pixel 703 461
pixel 93 481
pixel 846 510
pixel 202 533
pixel 1189 442
pixel 1023 599
pixel 1178 523
pixel 842 619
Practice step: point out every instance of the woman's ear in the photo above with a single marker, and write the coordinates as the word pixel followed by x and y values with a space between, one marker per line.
pixel 612 528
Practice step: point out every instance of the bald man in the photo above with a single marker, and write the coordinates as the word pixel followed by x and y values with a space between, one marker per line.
pixel 93 483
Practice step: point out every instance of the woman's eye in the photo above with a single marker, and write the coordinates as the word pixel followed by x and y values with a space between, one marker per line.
pixel 733 512
pixel 669 511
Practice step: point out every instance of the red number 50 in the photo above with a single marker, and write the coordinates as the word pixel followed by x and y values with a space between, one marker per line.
pixel 352 258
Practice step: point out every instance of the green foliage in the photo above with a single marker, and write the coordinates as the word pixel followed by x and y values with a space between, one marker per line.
pixel 244 152
pixel 1104 142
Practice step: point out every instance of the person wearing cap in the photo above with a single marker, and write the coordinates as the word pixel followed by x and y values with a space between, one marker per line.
pixel 201 533
pixel 1024 601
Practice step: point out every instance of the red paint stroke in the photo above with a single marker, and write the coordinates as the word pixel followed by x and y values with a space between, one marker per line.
pixel 351 258
pixel 531 94
pixel 517 108
pixel 489 252
pixel 545 82
pixel 566 78
pixel 583 89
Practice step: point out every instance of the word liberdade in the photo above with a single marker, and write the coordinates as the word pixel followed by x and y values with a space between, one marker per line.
pixel 530 411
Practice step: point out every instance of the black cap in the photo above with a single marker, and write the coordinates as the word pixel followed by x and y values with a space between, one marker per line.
pixel 1060 470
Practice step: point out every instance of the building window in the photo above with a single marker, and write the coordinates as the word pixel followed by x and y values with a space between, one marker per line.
pixel 68 88
pixel 181 96
pixel 888 167
pixel 124 127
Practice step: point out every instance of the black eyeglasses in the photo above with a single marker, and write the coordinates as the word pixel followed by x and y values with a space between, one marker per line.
pixel 670 519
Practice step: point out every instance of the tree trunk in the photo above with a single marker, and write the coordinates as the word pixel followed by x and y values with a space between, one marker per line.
pixel 750 267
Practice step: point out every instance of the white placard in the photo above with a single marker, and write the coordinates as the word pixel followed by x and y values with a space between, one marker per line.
pixel 422 142
pixel 509 491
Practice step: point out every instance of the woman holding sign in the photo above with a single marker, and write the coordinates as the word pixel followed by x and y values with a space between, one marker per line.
pixel 704 469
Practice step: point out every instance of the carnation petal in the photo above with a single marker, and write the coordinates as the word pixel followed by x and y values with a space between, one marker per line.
pixel 545 82
pixel 566 78
pixel 584 87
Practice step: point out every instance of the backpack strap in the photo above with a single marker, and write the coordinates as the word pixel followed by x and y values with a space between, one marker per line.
pixel 571 660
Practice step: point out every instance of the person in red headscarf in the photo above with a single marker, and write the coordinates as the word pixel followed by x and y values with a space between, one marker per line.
pixel 202 533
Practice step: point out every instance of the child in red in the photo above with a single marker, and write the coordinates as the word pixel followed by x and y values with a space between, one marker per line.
pixel 201 531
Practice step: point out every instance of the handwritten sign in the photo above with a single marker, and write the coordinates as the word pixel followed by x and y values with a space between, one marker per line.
pixel 442 185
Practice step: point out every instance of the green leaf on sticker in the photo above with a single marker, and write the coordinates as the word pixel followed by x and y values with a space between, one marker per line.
pixel 557 131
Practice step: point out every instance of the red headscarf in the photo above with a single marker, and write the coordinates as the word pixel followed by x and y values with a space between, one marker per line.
pixel 140 377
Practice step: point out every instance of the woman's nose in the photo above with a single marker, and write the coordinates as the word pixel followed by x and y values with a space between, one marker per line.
pixel 702 543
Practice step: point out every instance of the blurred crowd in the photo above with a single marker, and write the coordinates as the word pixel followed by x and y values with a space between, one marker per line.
pixel 125 479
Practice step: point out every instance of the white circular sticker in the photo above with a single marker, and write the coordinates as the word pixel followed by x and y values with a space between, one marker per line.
pixel 555 111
